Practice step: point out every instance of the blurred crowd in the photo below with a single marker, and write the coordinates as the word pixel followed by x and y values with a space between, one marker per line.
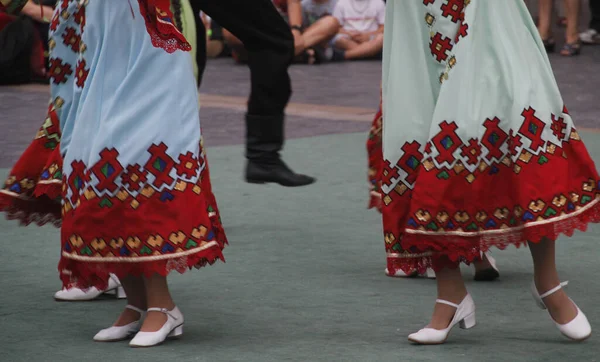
pixel 324 31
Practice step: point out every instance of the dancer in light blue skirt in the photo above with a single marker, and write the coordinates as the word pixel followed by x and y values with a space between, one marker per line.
pixel 136 194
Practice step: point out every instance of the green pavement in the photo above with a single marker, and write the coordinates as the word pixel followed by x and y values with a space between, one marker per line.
pixel 303 282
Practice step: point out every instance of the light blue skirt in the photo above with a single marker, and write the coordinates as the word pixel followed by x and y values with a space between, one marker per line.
pixel 136 195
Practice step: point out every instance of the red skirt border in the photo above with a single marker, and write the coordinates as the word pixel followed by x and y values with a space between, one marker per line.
pixel 449 249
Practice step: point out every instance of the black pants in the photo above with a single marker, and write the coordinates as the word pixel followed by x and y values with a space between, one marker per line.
pixel 200 42
pixel 270 46
pixel 595 10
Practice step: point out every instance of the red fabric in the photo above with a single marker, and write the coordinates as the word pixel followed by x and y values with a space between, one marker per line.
pixel 375 157
pixel 553 193
pixel 138 226
pixel 32 191
pixel 450 217
pixel 161 26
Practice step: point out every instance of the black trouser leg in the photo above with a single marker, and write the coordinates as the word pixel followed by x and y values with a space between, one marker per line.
pixel 200 41
pixel 595 11
pixel 270 46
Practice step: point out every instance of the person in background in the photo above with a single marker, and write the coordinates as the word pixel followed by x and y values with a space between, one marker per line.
pixel 318 28
pixel 23 45
pixel 572 46
pixel 291 11
pixel 269 44
pixel 592 35
pixel 360 34
pixel 184 19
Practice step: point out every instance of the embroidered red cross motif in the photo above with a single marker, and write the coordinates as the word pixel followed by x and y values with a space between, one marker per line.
pixel 453 9
pixel 410 160
pixel 493 138
pixel 428 2
pixel 188 165
pixel 558 127
pixel 471 151
pixel 463 31
pixel 428 148
pixel 532 128
pixel 160 165
pixel 79 17
pixel 59 71
pixel 55 21
pixel 514 142
pixel 107 170
pixel 389 172
pixel 439 46
pixel 64 4
pixel 71 39
pixel 446 142
pixel 81 73
pixel 134 177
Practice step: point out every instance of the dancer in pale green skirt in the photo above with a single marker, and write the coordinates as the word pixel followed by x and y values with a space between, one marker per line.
pixel 479 151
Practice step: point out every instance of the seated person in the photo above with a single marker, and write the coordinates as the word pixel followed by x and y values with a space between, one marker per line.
pixel 361 29
pixel 307 35
pixel 22 46
pixel 319 27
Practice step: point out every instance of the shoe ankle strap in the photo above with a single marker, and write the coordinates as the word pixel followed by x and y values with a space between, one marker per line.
pixel 129 306
pixel 554 290
pixel 163 310
pixel 441 301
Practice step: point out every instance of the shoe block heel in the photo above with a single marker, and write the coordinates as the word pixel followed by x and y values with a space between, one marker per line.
pixel 120 293
pixel 177 332
pixel 468 322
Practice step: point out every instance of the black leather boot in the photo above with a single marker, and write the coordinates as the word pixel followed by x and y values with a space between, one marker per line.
pixel 264 140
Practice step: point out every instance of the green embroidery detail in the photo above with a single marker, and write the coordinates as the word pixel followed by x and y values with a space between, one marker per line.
pixel 191 244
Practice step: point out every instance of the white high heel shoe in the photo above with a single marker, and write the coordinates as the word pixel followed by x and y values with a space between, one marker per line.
pixel 429 274
pixel 464 317
pixel 80 295
pixel 119 333
pixel 172 328
pixel 578 329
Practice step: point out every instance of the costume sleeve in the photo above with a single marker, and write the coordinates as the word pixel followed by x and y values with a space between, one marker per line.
pixel 12 6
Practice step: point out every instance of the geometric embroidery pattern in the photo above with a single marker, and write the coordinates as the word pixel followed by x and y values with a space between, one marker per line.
pixel 447 154
pixel 109 182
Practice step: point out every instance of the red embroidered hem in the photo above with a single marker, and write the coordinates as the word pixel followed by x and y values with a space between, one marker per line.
pixel 375 158
pixel 448 251
pixel 95 274
pixel 31 194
